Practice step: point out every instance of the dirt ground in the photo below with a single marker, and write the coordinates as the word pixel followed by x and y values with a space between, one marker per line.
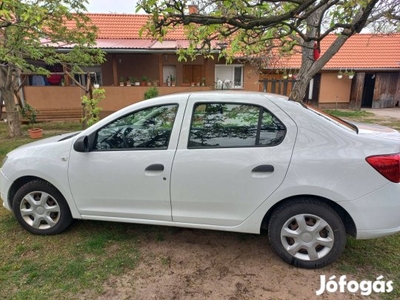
pixel 199 264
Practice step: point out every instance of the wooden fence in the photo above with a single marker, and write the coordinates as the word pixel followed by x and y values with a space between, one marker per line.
pixel 277 86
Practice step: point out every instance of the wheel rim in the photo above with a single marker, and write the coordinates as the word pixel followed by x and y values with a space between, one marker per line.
pixel 307 237
pixel 40 210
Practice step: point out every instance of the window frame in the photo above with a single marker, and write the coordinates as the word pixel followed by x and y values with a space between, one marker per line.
pixel 261 110
pixel 232 72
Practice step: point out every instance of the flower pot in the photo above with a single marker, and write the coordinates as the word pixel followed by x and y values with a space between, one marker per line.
pixel 35 133
pixel 340 76
pixel 351 76
pixel 96 85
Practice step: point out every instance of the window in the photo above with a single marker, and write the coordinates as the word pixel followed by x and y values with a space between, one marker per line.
pixel 228 77
pixel 149 128
pixel 94 73
pixel 220 125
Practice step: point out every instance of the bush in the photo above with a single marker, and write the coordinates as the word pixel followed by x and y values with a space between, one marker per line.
pixel 151 93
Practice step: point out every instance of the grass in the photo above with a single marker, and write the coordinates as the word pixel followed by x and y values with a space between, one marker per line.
pixel 365 117
pixel 39 267
pixel 83 258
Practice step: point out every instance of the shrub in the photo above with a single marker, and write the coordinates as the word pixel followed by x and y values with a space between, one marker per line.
pixel 151 93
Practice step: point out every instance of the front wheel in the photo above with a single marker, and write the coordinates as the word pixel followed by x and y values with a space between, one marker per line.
pixel 41 209
pixel 307 233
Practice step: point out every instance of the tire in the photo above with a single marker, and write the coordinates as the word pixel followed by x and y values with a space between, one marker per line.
pixel 307 233
pixel 41 209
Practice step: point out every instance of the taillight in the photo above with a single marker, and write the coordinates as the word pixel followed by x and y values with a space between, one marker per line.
pixel 387 165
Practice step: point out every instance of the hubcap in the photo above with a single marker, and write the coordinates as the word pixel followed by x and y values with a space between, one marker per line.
pixel 40 210
pixel 307 237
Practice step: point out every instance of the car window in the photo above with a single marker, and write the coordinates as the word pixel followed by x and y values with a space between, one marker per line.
pixel 220 125
pixel 149 128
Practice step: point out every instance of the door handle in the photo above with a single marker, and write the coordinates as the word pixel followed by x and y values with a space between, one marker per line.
pixel 155 167
pixel 263 169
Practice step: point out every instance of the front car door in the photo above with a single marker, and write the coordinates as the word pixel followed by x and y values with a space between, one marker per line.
pixel 232 155
pixel 127 174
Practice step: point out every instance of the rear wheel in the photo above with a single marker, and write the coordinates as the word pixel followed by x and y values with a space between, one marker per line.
pixel 41 209
pixel 307 233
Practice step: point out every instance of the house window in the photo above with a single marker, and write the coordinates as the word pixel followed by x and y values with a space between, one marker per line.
pixel 169 74
pixel 229 76
pixel 94 73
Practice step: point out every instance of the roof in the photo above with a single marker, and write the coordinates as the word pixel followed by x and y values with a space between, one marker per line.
pixel 126 26
pixel 120 32
pixel 361 51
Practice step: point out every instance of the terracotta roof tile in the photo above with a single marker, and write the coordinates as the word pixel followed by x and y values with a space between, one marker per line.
pixel 361 51
pixel 125 26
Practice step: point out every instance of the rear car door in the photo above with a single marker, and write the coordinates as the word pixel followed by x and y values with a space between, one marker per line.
pixel 233 153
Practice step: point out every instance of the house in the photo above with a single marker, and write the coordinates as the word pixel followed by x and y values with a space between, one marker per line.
pixel 130 57
pixel 375 59
pixel 365 73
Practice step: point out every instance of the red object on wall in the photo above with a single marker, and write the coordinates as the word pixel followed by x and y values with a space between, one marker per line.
pixel 317 51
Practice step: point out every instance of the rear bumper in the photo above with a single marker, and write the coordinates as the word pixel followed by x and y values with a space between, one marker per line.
pixel 376 214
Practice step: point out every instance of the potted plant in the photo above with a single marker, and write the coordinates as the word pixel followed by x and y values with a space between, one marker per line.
pixel 145 79
pixel 173 80
pixel 284 74
pixel 340 75
pixel 121 81
pixel 130 81
pixel 135 81
pixel 29 113
pixel 203 81
pixel 351 74
pixel 186 83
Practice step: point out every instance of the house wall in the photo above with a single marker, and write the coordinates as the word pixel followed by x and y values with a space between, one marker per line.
pixel 137 65
pixel 52 101
pixel 53 97
pixel 251 78
pixel 334 92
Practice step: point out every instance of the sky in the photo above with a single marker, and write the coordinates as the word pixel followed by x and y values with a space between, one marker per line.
pixel 111 6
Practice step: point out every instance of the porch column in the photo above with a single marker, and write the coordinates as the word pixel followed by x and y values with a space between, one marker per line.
pixel 115 70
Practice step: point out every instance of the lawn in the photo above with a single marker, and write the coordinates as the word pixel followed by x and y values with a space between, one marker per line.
pixel 38 267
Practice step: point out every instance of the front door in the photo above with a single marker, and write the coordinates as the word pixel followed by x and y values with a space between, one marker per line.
pixel 126 176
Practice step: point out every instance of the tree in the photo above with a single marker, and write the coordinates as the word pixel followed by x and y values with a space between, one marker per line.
pixel 253 29
pixel 30 32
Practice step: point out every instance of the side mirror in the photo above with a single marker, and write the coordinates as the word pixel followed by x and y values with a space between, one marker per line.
pixel 82 144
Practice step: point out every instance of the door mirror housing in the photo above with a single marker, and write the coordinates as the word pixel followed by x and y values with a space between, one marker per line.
pixel 82 144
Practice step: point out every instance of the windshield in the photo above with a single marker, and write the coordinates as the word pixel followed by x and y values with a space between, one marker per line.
pixel 337 121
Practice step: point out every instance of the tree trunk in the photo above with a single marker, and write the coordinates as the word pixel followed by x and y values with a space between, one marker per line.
pixel 7 95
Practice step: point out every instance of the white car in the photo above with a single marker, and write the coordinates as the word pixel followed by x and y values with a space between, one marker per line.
pixel 222 160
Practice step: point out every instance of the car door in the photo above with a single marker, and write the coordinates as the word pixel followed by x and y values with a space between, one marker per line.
pixel 232 155
pixel 126 175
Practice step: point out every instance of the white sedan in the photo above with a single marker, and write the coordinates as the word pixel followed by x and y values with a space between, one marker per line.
pixel 223 160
